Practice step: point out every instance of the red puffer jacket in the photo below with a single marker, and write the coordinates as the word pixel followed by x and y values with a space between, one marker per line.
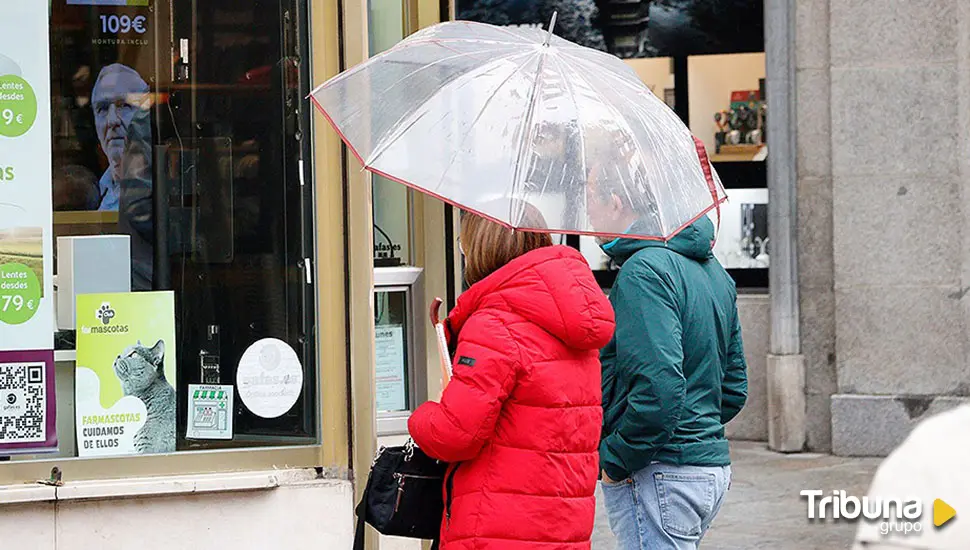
pixel 521 418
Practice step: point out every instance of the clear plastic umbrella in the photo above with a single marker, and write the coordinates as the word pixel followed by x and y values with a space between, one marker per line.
pixel 495 119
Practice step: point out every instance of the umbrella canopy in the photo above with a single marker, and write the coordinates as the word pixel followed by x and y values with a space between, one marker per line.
pixel 493 119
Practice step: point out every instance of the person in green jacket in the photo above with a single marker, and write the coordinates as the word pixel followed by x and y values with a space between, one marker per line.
pixel 673 376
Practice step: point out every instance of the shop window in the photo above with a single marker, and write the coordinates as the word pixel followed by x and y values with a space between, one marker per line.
pixel 727 111
pixel 178 132
pixel 702 58
pixel 392 201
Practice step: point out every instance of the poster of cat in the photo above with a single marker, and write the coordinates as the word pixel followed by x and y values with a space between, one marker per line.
pixel 126 376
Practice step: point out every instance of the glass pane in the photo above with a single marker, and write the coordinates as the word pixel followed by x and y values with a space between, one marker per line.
pixel 742 242
pixel 178 123
pixel 392 356
pixel 392 227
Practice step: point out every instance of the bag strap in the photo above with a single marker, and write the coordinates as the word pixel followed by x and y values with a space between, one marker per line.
pixel 706 168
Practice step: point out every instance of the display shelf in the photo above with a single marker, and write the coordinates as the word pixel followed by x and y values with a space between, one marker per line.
pixel 93 217
pixel 740 153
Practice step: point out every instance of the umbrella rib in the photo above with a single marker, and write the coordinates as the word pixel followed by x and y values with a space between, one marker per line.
pixel 527 126
pixel 406 122
pixel 625 127
pixel 421 41
pixel 579 123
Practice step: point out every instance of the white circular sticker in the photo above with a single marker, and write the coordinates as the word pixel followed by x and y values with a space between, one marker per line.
pixel 269 378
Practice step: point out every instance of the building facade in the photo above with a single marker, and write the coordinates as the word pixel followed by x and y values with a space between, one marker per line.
pixel 182 128
pixel 861 332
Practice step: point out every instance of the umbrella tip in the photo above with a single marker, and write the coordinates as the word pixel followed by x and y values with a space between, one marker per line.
pixel 552 26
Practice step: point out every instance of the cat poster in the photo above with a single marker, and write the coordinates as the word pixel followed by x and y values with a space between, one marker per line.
pixel 125 388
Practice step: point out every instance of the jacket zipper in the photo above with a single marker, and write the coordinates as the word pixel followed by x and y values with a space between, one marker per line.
pixel 400 486
pixel 449 485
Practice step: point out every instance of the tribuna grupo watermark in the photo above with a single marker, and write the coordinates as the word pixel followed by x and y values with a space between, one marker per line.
pixel 895 515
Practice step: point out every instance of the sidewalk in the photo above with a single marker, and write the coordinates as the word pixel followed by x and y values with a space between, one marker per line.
pixel 763 510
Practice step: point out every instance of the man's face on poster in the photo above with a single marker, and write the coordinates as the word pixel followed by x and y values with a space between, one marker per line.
pixel 118 93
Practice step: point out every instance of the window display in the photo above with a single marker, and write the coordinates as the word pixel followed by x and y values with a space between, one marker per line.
pixel 728 108
pixel 705 59
pixel 179 126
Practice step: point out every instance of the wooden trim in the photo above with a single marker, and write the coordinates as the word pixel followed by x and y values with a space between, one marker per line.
pixel 424 13
pixel 330 252
pixel 360 268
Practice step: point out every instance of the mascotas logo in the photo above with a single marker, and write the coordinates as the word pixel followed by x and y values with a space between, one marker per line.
pixel 895 515
pixel 105 315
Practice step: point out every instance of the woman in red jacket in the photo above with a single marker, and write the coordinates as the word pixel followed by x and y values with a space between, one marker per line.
pixel 520 420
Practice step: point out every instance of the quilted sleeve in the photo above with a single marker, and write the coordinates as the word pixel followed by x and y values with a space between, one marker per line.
pixel 485 365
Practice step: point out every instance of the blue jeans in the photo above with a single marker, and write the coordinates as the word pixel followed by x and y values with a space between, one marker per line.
pixel 665 507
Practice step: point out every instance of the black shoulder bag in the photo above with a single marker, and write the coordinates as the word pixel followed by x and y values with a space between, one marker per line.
pixel 403 495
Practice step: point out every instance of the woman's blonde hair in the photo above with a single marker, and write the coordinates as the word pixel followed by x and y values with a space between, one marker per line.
pixel 489 246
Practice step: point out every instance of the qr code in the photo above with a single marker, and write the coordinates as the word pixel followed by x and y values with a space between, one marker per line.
pixel 23 403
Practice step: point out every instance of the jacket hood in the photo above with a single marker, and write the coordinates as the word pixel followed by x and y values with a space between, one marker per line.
pixel 552 287
pixel 695 241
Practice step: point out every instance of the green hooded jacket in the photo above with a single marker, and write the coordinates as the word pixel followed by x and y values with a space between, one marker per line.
pixel 674 373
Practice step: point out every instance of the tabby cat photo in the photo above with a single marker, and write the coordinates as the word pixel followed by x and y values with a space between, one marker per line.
pixel 141 371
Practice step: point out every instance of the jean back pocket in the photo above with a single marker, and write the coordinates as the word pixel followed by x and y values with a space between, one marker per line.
pixel 686 502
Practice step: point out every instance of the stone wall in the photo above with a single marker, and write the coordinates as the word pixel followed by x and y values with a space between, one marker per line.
pixel 883 89
pixel 814 191
pixel 752 422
